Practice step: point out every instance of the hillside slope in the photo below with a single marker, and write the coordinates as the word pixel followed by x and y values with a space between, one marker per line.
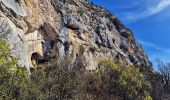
pixel 39 30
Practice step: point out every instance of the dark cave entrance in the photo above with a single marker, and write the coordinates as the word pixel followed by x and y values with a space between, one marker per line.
pixel 35 59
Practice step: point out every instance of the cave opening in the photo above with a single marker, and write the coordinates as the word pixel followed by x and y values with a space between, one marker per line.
pixel 35 59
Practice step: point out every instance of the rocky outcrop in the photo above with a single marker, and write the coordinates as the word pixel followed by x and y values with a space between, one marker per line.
pixel 66 29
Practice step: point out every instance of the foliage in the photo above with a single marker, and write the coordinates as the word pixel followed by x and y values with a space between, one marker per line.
pixel 58 81
pixel 125 81
pixel 162 83
pixel 164 71
pixel 55 81
pixel 13 79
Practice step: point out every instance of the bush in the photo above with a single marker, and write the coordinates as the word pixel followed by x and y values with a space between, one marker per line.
pixel 55 81
pixel 125 81
pixel 58 81
pixel 14 82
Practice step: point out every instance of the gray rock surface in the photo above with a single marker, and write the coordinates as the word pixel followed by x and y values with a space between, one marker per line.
pixel 16 7
pixel 9 32
pixel 72 27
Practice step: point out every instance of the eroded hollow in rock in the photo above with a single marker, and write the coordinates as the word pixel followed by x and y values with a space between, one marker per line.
pixel 36 59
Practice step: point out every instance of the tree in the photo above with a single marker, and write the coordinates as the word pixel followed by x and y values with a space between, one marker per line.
pixel 14 80
pixel 125 81
pixel 164 71
pixel 56 82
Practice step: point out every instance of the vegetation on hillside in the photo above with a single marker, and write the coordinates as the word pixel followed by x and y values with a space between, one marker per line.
pixel 164 78
pixel 58 81
pixel 13 79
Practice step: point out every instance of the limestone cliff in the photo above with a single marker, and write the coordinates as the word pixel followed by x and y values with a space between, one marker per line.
pixel 66 29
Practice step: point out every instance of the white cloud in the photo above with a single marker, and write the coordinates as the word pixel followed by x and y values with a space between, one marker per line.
pixel 150 11
pixel 156 52
pixel 160 7
pixel 156 47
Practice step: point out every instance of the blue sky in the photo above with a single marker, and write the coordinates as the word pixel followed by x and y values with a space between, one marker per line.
pixel 150 22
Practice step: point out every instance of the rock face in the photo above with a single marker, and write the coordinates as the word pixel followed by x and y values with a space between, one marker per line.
pixel 67 29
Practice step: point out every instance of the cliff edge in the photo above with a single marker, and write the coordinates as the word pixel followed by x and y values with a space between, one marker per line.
pixel 40 30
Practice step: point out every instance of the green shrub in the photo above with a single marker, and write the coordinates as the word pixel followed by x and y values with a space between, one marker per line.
pixel 125 81
pixel 13 79
pixel 55 81
pixel 59 81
